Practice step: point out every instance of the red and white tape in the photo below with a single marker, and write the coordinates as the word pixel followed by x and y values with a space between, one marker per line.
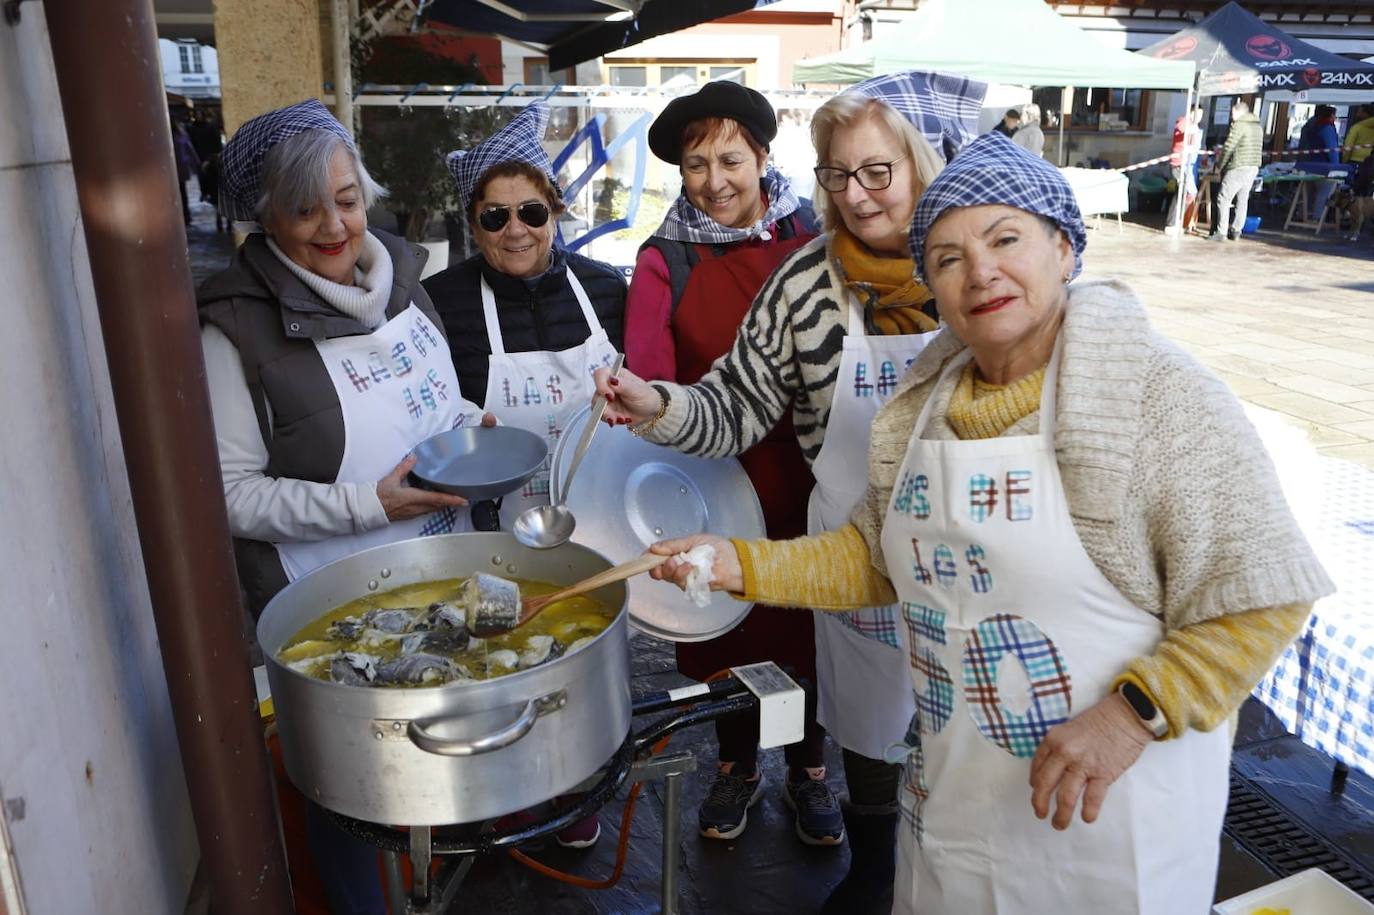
pixel 1211 152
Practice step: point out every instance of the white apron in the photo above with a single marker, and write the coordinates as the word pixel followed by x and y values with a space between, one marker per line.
pixel 989 570
pixel 540 391
pixel 397 387
pixel 858 655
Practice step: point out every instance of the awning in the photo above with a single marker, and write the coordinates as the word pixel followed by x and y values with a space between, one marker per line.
pixel 571 31
pixel 1238 53
pixel 1015 42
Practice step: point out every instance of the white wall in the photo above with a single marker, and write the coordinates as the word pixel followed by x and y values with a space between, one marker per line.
pixel 196 85
pixel 91 785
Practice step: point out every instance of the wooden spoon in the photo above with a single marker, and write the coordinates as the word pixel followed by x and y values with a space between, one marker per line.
pixel 531 606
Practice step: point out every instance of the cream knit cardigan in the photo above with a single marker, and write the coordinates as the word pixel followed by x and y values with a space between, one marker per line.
pixel 1170 490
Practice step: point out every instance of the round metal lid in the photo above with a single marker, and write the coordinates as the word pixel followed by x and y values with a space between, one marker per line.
pixel 630 493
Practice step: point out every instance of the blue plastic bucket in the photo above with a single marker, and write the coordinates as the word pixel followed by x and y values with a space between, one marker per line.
pixel 1252 224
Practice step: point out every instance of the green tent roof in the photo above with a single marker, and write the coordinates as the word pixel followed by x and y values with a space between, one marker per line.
pixel 1014 42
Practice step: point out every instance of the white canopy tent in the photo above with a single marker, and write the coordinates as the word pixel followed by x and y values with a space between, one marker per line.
pixel 1016 42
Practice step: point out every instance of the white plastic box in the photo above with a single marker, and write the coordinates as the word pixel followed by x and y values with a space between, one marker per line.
pixel 1311 892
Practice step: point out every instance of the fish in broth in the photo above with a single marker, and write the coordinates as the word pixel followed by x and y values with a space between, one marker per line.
pixel 421 635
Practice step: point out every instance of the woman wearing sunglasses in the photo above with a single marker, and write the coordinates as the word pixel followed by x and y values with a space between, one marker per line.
pixel 826 338
pixel 527 320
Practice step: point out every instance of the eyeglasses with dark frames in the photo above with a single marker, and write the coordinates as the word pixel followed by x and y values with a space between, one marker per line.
pixel 875 176
pixel 532 214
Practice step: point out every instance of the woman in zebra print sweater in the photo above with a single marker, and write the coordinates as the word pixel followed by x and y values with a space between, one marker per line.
pixel 829 335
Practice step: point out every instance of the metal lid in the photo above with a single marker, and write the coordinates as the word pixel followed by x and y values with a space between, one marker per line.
pixel 630 493
pixel 479 462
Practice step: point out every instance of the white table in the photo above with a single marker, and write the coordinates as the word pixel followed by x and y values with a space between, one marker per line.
pixel 1099 191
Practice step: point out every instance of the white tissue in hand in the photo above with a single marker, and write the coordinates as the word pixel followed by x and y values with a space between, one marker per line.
pixel 701 558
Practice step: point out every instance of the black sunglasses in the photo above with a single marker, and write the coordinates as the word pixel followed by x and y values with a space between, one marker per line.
pixel 532 214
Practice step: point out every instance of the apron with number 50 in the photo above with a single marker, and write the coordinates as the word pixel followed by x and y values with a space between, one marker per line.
pixel 540 390
pixel 397 387
pixel 1012 629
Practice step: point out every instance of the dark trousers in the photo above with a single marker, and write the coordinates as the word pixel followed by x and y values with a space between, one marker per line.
pixel 872 783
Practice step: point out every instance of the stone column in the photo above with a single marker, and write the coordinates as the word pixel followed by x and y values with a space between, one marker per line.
pixel 270 55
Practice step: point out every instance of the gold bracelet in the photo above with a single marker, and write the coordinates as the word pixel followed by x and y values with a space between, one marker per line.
pixel 639 430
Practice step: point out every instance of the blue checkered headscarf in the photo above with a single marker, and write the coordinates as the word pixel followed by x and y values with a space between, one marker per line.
pixel 943 108
pixel 518 141
pixel 994 170
pixel 241 160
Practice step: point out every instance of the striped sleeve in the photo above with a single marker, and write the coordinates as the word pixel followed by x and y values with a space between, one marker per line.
pixel 789 333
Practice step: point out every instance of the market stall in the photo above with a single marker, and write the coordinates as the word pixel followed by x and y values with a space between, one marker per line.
pixel 1008 42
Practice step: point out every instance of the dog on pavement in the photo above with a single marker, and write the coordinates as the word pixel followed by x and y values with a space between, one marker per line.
pixel 1346 203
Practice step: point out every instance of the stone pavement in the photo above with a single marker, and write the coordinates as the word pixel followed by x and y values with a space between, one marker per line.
pixel 1287 320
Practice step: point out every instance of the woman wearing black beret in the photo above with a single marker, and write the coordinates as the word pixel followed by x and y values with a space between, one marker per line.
pixel 695 278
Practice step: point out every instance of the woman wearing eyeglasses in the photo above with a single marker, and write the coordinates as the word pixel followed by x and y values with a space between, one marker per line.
pixel 828 336
pixel 527 321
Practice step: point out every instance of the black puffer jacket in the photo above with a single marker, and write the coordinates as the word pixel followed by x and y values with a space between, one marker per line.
pixel 546 317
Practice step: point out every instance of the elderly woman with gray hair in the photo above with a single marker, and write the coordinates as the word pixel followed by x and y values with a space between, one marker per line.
pixel 326 360
pixel 326 365
pixel 1093 560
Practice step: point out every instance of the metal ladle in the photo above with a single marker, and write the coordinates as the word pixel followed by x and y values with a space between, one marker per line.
pixel 544 527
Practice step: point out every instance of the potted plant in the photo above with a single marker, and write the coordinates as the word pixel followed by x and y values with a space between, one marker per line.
pixel 405 147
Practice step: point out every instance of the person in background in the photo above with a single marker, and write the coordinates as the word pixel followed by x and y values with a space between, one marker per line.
pixel 315 455
pixel 827 338
pixel 1010 121
pixel 1094 559
pixel 1187 145
pixel 695 278
pixel 1320 143
pixel 1359 139
pixel 528 320
pixel 188 164
pixel 208 141
pixel 1239 164
pixel 1029 136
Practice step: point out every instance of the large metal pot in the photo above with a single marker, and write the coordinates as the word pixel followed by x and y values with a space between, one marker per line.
pixel 447 754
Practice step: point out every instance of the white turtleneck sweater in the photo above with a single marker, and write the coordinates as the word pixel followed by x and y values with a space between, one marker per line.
pixel 277 509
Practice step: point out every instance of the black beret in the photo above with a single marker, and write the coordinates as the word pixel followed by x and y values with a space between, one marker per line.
pixel 721 99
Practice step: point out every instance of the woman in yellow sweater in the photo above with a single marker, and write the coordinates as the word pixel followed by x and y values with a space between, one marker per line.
pixel 1093 560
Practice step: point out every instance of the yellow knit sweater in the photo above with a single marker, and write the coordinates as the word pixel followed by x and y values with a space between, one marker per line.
pixel 1197 676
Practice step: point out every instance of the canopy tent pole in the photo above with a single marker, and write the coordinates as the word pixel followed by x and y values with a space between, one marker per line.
pixel 1065 110
pixel 342 20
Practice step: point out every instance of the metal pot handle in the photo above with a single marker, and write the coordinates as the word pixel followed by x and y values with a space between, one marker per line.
pixel 444 746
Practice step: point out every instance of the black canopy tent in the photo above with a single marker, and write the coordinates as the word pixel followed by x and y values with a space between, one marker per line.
pixel 571 31
pixel 1237 53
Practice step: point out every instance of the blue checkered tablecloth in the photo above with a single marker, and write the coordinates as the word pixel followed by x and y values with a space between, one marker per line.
pixel 1322 688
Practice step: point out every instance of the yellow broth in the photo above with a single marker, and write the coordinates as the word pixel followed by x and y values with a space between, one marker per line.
pixel 567 621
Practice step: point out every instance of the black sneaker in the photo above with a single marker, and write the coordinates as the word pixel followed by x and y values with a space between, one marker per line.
pixel 819 821
pixel 725 812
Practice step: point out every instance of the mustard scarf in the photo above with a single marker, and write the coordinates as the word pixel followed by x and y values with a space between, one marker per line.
pixel 894 301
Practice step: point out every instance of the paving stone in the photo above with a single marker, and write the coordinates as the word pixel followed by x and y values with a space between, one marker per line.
pixel 1334 371
pixel 1364 428
pixel 1328 390
pixel 1307 407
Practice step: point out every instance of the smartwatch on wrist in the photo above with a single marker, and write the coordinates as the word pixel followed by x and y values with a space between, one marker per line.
pixel 1145 709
